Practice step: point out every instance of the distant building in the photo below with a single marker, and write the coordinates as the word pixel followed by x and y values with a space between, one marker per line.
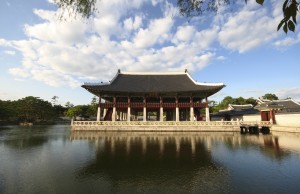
pixel 268 109
pixel 282 112
pixel 235 112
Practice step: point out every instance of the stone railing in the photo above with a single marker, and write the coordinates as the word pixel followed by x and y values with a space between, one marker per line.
pixel 167 123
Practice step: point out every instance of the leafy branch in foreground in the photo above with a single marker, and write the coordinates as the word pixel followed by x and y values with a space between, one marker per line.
pixel 289 21
pixel 85 8
pixel 188 8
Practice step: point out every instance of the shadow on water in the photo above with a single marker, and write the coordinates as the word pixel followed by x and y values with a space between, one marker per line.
pixel 153 162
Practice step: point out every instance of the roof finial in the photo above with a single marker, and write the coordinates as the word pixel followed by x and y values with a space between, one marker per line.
pixel 119 71
pixel 185 71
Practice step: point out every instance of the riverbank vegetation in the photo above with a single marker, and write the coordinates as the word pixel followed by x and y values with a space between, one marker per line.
pixel 35 110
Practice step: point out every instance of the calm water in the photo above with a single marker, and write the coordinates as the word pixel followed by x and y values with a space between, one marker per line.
pixel 53 159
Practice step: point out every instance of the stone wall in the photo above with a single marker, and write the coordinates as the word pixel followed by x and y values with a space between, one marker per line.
pixel 157 128
pixel 288 119
pixel 252 118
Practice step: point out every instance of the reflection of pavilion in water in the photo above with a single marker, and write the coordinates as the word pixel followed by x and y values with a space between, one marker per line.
pixel 274 146
pixel 155 161
pixel 178 140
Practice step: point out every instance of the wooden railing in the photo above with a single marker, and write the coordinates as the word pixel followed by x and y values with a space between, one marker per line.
pixel 153 105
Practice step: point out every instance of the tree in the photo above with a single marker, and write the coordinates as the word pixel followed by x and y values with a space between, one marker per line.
pixel 251 101
pixel 54 100
pixel 33 109
pixel 188 8
pixel 92 109
pixel 69 105
pixel 269 96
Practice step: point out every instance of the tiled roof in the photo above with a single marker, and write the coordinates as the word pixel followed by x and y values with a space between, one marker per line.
pixel 288 105
pixel 154 83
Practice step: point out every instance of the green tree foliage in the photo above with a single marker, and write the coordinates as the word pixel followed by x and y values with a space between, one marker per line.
pixel 73 112
pixel 85 8
pixel 78 111
pixel 92 109
pixel 33 109
pixel 6 110
pixel 269 96
pixel 188 8
pixel 215 107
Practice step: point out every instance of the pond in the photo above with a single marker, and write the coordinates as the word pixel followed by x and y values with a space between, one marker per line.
pixel 53 159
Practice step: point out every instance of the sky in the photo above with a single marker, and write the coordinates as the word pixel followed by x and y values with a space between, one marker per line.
pixel 42 55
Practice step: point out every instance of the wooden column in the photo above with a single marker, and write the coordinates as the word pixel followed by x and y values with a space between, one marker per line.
pixel 113 117
pixel 144 109
pixel 207 111
pixel 161 109
pixel 177 109
pixel 128 110
pixel 99 109
pixel 191 109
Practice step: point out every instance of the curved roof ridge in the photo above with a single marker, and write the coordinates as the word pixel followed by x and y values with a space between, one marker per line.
pixel 202 83
pixel 152 73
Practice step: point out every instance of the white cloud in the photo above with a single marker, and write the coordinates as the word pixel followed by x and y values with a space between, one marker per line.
pixel 130 24
pixel 9 52
pixel 20 72
pixel 221 58
pixel 286 42
pixel 249 28
pixel 121 36
pixel 289 92
pixel 157 32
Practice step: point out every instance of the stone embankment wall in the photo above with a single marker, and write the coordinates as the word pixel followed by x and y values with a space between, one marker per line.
pixel 289 120
pixel 158 128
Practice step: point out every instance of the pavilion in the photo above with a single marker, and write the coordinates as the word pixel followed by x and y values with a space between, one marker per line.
pixel 151 96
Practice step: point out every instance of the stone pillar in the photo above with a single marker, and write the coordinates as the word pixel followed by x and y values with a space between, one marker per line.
pixel 191 109
pixel 113 117
pixel 161 110
pixel 99 109
pixel 177 109
pixel 128 110
pixel 104 112
pixel 144 110
pixel 207 111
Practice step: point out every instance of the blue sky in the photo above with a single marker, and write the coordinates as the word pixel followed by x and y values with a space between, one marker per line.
pixel 43 56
